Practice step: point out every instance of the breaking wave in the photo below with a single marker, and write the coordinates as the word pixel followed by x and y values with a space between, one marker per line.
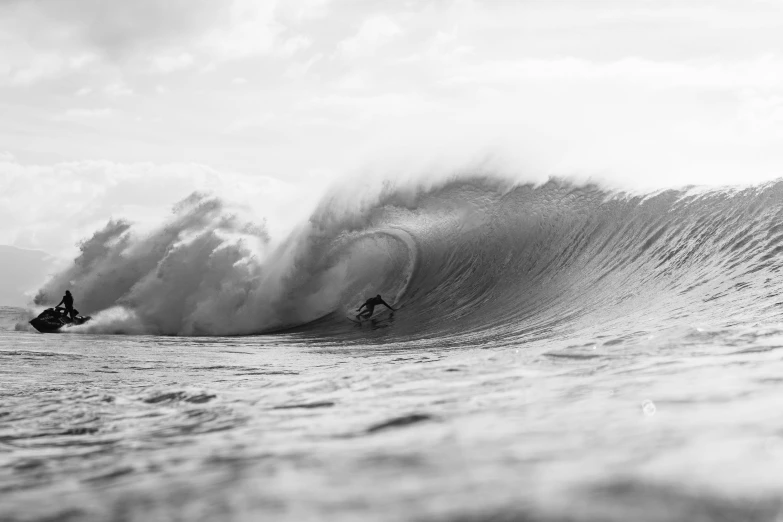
pixel 470 260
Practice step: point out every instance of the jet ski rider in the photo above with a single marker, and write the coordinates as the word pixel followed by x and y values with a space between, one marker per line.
pixel 67 302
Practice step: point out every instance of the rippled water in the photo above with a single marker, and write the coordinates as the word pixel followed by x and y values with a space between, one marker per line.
pixel 674 424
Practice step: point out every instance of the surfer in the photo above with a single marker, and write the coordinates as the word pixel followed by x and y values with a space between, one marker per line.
pixel 370 304
pixel 67 302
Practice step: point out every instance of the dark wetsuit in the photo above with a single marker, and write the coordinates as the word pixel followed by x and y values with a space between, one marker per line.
pixel 370 304
pixel 67 302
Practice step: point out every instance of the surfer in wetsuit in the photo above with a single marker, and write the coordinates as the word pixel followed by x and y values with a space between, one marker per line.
pixel 67 302
pixel 370 304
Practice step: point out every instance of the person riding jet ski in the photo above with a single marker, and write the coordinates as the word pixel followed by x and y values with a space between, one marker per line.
pixel 67 302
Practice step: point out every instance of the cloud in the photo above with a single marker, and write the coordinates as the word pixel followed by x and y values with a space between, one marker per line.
pixel 761 116
pixel 116 90
pixel 52 207
pixel 42 66
pixel 300 69
pixel 443 47
pixel 25 68
pixel 85 114
pixel 352 81
pixel 114 29
pixel 764 72
pixel 296 44
pixel 50 38
pixel 249 29
pixel 374 33
pixel 297 11
pixel 170 63
pixel 568 82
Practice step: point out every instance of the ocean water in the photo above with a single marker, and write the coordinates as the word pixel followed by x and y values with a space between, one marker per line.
pixel 561 353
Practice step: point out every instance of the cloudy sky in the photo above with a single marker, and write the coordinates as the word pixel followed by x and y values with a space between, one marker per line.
pixel 120 108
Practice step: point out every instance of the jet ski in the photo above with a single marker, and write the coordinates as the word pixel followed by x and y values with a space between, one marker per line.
pixel 52 320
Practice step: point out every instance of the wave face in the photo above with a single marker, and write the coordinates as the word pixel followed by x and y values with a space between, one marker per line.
pixel 470 261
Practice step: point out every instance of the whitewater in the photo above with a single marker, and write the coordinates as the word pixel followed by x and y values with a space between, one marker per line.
pixel 563 351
